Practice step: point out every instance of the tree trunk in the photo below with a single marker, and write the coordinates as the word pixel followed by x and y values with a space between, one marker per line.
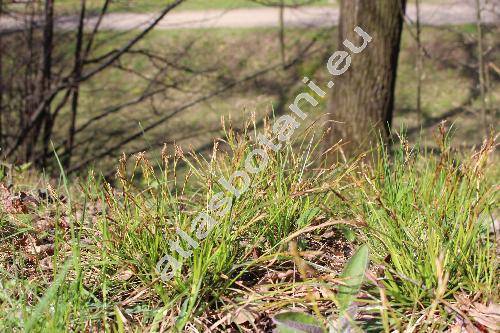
pixel 363 96
pixel 48 35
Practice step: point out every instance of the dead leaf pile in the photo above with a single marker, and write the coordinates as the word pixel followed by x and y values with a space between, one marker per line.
pixel 475 317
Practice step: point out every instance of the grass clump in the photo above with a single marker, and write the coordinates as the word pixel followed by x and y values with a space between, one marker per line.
pixel 154 201
pixel 86 260
pixel 428 221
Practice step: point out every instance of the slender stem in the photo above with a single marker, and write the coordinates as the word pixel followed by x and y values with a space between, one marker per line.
pixel 1 85
pixel 282 32
pixel 419 64
pixel 480 49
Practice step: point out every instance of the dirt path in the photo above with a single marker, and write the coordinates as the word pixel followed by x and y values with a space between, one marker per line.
pixel 459 12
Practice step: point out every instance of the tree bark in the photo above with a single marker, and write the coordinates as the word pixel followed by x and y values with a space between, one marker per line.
pixel 363 96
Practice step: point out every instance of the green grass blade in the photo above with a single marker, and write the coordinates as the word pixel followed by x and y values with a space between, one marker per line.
pixel 352 276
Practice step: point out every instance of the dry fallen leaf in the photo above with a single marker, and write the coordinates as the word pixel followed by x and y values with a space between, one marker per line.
pixel 43 224
pixel 46 264
pixel 486 318
pixel 123 275
pixel 486 315
pixel 10 203
pixel 243 316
